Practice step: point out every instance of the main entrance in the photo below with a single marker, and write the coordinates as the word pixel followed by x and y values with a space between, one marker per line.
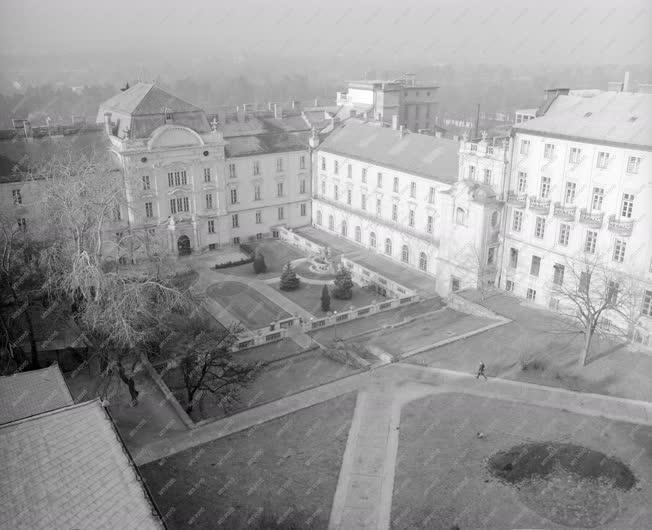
pixel 183 245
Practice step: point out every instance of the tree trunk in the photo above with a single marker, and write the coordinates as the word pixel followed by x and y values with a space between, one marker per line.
pixel 34 364
pixel 131 384
pixel 588 337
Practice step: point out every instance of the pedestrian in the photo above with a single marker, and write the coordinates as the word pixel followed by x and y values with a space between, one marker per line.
pixel 481 371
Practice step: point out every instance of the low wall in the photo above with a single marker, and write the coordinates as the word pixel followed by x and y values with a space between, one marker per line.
pixel 461 304
pixel 363 276
pixel 300 242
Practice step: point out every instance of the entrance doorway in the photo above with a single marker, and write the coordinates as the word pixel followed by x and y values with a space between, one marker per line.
pixel 183 245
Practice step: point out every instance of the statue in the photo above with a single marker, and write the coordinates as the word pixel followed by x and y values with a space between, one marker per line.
pixel 484 136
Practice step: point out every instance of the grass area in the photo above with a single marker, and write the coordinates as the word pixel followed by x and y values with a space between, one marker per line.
pixel 277 255
pixel 281 474
pixel 442 478
pixel 303 270
pixel 253 309
pixel 308 296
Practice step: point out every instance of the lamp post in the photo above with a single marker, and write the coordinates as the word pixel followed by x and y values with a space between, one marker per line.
pixel 335 324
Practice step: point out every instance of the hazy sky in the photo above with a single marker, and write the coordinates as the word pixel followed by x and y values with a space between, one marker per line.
pixel 494 31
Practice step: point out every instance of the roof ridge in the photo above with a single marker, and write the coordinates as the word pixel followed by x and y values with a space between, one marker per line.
pixel 95 401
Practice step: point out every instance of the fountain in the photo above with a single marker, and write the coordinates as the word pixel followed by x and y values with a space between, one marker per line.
pixel 322 263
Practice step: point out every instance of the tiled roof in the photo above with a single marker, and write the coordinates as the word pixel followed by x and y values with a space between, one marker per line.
pixel 146 99
pixel 68 469
pixel 418 154
pixel 266 143
pixel 619 117
pixel 28 393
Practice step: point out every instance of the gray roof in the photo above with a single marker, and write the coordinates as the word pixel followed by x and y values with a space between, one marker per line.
pixel 68 469
pixel 610 117
pixel 28 393
pixel 417 154
pixel 266 143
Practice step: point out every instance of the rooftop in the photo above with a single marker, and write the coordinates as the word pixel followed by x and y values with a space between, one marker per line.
pixel 610 117
pixel 68 469
pixel 266 143
pixel 28 393
pixel 418 154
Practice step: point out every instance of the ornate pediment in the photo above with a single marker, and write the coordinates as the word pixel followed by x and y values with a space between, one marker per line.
pixel 174 136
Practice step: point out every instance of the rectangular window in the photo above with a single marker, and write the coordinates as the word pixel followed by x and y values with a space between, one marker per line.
pixel 170 179
pixel 525 147
pixel 544 191
pixel 149 210
pixel 336 192
pixel 517 221
pixel 513 258
pixel 117 215
pixel 259 217
pixel 585 281
pixel 279 164
pixel 487 176
pixel 209 201
pixel 558 274
pixel 184 179
pixel 281 213
pixel 603 160
pixel 590 241
pixel 279 189
pixel 232 171
pixel 491 255
pixel 619 250
pixel 146 185
pixel 349 196
pixel 323 163
pixel 302 209
pixel 22 223
pixel 336 167
pixel 211 226
pixel 531 294
pixel 235 222
pixel 553 303
pixel 173 206
pixel 633 164
pixel 430 224
pixel 234 196
pixel 646 308
pixel 186 204
pixel 522 182
pixel 471 172
pixel 323 187
pixel 379 209
pixel 535 266
pixel 256 192
pixel 302 186
pixel 349 171
pixel 413 190
pixel 256 167
pixel 212 246
pixel 598 196
pixel 394 212
pixel 548 151
pixel 379 181
pixel 363 201
pixel 509 286
pixel 411 218
pixel 236 240
pixel 612 292
pixel 574 156
pixel 431 196
pixel 564 234
pixel 395 187
pixel 18 199
pixel 627 205
pixel 569 193
pixel 540 227
pixel 302 162
pixel 207 174
pixel 364 175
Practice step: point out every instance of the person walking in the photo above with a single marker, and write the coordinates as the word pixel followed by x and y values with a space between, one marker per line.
pixel 481 371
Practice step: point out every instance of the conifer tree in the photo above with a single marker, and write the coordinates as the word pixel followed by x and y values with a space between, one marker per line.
pixel 325 299
pixel 289 279
pixel 343 288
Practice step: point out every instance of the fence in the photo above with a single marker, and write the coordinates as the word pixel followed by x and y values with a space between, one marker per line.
pixel 300 242
pixel 364 276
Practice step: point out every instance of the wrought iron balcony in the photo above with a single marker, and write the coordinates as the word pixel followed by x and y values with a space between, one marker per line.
pixel 621 227
pixel 565 212
pixel 540 205
pixel 517 199
pixel 593 219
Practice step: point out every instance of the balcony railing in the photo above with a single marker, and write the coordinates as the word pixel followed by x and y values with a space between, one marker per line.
pixel 565 212
pixel 517 199
pixel 593 219
pixel 621 227
pixel 540 205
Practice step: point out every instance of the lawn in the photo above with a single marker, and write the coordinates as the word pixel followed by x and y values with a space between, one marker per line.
pixel 443 479
pixel 287 467
pixel 308 296
pixel 277 255
pixel 250 307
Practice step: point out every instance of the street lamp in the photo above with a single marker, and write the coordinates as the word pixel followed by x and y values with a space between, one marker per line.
pixel 335 324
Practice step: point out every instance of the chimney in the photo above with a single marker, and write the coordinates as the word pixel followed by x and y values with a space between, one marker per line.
pixel 402 131
pixel 269 106
pixel 438 134
pixel 395 122
pixel 27 127
pixel 278 112
pixel 108 128
pixel 240 113
pixel 626 82
pixel 316 102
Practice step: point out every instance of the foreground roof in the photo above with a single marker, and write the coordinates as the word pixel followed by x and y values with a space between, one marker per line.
pixel 609 117
pixel 68 469
pixel 418 154
pixel 28 393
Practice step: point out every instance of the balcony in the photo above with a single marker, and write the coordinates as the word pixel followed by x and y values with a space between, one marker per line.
pixel 517 199
pixel 565 212
pixel 593 219
pixel 622 227
pixel 539 205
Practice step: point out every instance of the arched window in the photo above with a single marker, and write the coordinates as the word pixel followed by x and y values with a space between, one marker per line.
pixel 423 261
pixel 494 219
pixel 344 228
pixel 460 216
pixel 388 247
pixel 319 217
pixel 331 223
pixel 405 254
pixel 372 239
pixel 358 234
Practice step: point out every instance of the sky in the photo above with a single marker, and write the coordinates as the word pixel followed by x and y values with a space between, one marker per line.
pixel 507 32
